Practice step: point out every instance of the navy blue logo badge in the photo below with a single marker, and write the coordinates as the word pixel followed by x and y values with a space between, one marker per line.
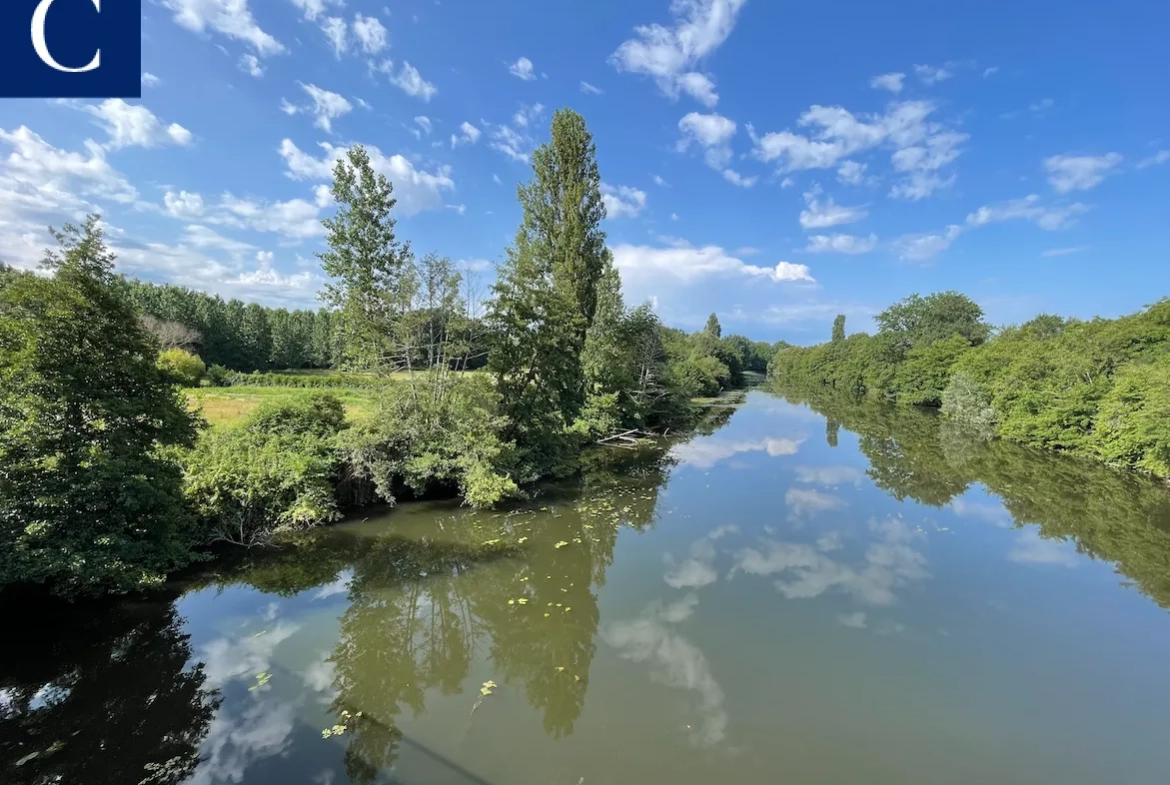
pixel 70 48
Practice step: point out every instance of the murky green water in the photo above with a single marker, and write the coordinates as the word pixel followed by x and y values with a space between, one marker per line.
pixel 867 598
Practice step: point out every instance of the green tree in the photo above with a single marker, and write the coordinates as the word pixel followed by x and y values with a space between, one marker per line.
pixel 367 265
pixel 839 328
pixel 88 501
pixel 918 321
pixel 183 367
pixel 546 292
pixel 712 327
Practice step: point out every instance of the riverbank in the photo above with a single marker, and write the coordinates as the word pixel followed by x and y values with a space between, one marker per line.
pixel 1097 389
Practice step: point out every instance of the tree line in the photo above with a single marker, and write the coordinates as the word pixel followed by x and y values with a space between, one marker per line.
pixel 1099 388
pixel 109 482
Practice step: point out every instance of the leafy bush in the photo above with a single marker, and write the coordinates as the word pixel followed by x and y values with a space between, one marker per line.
pixel 1132 426
pixel 275 472
pixel 184 368
pixel 428 441
pixel 218 376
pixel 965 402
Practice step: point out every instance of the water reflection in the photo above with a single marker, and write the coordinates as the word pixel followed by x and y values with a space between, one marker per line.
pixel 1078 507
pixel 88 695
pixel 754 603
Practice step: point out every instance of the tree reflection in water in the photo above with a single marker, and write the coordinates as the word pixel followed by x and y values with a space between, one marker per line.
pixel 101 695
pixel 1109 514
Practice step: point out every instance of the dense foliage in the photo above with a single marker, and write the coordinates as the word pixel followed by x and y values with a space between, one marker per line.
pixel 105 482
pixel 1096 388
pixel 87 500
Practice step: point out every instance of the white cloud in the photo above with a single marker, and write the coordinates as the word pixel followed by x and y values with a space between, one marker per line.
pixel 660 182
pixel 930 74
pixel 588 88
pixel 370 34
pixel 133 125
pixel 921 146
pixel 1157 159
pixel 622 200
pixel 416 190
pixel 313 9
pixel 709 130
pixel 424 123
pixel 787 182
pixel 47 175
pixel 831 476
pixel 705 452
pixel 183 204
pixel 514 141
pixel 989 71
pixel 851 173
pixel 855 620
pixel 841 243
pixel 713 133
pixel 922 162
pixel 523 69
pixel 1079 172
pixel 822 215
pixel 149 79
pixel 336 31
pixel 735 178
pixel 1029 209
pixel 409 80
pixel 250 64
pixel 921 247
pixel 687 264
pixel 672 55
pixel 327 106
pixel 468 134
pixel 226 17
pixel 1064 251
pixel 891 82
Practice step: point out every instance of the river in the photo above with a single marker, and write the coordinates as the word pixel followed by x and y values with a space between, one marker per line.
pixel 797 594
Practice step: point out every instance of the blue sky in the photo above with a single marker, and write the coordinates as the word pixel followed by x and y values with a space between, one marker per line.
pixel 776 163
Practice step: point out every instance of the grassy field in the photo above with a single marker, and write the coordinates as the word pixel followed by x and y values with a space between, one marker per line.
pixel 223 405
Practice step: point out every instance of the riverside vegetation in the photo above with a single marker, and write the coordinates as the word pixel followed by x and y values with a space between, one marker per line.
pixel 109 481
pixel 1098 389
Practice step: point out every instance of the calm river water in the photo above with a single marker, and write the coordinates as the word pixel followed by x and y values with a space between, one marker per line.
pixel 837 594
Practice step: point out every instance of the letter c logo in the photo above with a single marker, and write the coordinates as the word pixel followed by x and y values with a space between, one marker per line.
pixel 42 49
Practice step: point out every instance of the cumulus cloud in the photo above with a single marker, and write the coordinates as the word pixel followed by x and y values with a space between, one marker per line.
pixel 1157 159
pixel 851 172
pixel 931 74
pixel 515 141
pixel 132 125
pixel 416 190
pixel 672 55
pixel 370 33
pixel 327 106
pixel 337 34
pixel 705 452
pixel 891 82
pixel 588 88
pixel 923 247
pixel 822 215
pixel 423 122
pixel 841 243
pixel 408 79
pixel 622 200
pixel 250 64
pixel 149 79
pixel 230 18
pixel 921 146
pixel 712 133
pixel 686 264
pixel 468 134
pixel 523 69
pixel 1079 172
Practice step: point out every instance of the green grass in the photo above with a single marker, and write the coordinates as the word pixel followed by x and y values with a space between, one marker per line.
pixel 224 405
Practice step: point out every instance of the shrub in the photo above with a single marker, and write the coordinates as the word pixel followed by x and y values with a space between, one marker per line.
pixel 184 368
pixel 965 402
pixel 275 472
pixel 1132 427
pixel 218 376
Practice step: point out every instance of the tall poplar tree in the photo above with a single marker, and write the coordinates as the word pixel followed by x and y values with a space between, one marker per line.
pixel 368 266
pixel 547 289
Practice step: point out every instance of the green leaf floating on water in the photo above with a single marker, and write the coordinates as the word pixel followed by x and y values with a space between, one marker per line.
pixel 561 544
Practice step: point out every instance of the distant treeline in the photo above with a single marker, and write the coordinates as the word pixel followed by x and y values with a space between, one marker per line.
pixel 1098 388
